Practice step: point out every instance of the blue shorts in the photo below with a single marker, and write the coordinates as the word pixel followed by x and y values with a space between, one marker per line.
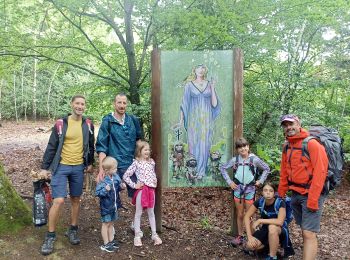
pixel 73 174
pixel 306 219
pixel 109 217
pixel 248 197
pixel 244 193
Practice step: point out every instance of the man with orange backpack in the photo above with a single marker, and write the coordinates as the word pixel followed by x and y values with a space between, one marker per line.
pixel 305 176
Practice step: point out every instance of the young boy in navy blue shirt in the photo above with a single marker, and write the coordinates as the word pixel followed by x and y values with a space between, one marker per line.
pixel 108 192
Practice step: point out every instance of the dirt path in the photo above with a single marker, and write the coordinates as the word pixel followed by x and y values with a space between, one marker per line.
pixel 198 218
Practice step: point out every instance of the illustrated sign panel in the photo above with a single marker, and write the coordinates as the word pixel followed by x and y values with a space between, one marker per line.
pixel 196 116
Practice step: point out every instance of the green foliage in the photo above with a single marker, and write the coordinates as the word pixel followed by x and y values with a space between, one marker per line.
pixel 206 223
pixel 347 157
pixel 296 56
pixel 272 156
pixel 14 213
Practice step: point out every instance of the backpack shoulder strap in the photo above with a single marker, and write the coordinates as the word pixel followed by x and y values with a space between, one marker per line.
pixel 89 123
pixel 235 165
pixel 251 166
pixel 305 151
pixel 59 126
pixel 133 119
pixel 285 146
pixel 137 124
pixel 261 204
pixel 277 205
pixel 251 160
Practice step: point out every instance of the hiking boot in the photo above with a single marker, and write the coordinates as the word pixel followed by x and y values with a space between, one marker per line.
pixel 114 243
pixel 73 236
pixel 108 248
pixel 236 241
pixel 156 239
pixel 47 247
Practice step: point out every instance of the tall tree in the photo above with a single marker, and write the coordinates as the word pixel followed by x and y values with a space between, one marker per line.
pixel 97 37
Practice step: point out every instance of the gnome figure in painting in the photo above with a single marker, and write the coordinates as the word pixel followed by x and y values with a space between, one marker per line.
pixel 214 165
pixel 177 157
pixel 191 172
pixel 199 109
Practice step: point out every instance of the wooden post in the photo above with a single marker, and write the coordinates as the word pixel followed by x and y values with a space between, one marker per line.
pixel 237 115
pixel 157 134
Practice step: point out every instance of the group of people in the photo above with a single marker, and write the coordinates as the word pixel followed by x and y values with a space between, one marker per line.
pixel 304 176
pixel 125 158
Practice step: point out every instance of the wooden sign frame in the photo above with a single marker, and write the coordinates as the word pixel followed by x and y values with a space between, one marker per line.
pixel 156 135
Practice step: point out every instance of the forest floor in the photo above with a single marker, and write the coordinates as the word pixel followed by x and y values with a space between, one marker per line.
pixel 196 222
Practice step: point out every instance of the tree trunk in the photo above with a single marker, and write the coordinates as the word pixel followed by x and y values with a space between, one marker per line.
pixel 130 51
pixel 34 89
pixel 49 91
pixel 24 97
pixel 14 95
pixel 14 213
pixel 1 84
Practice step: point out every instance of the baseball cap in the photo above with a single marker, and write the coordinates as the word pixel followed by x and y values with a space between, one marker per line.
pixel 289 118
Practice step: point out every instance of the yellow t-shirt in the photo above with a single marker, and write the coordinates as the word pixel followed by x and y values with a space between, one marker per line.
pixel 72 150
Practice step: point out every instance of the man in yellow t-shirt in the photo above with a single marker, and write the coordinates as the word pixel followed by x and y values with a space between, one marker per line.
pixel 69 152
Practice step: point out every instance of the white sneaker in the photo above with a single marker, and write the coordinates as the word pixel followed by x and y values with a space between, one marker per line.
pixel 139 234
pixel 156 239
pixel 137 241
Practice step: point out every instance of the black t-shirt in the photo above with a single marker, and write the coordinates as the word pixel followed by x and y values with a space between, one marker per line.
pixel 268 208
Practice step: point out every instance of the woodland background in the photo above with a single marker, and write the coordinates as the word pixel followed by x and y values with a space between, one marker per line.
pixel 296 60
pixel 296 56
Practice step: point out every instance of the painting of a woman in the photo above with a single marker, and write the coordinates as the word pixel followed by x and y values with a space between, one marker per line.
pixel 199 109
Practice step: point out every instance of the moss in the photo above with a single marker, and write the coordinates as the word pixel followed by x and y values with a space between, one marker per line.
pixel 14 213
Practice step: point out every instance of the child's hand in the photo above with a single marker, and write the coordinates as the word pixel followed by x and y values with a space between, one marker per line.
pixel 139 185
pixel 256 224
pixel 253 242
pixel 100 176
pixel 122 186
pixel 233 185
pixel 108 188
pixel 257 184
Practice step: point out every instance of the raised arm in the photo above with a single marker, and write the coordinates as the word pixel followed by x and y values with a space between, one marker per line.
pixel 214 98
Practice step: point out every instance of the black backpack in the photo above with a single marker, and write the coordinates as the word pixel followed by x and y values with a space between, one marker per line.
pixel 333 145
pixel 41 203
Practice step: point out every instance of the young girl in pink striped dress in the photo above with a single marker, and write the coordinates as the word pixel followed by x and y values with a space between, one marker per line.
pixel 144 197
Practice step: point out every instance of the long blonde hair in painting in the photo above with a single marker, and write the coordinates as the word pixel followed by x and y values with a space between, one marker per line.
pixel 192 76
